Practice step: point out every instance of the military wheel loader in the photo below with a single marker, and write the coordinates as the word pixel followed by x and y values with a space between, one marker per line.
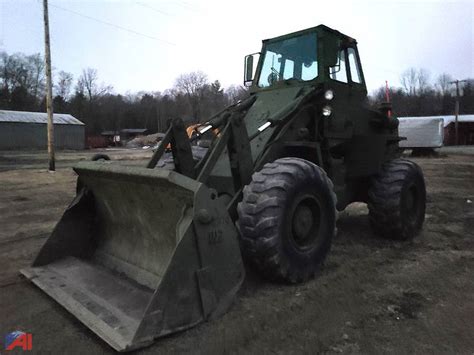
pixel 144 252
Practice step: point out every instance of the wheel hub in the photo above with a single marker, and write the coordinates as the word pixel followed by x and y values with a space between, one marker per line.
pixel 302 221
pixel 305 222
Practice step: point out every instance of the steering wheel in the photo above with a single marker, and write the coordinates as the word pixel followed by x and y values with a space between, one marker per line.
pixel 272 77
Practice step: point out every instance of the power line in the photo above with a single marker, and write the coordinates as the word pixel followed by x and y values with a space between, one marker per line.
pixel 152 8
pixel 113 25
pixel 186 5
pixel 2 22
pixel 386 70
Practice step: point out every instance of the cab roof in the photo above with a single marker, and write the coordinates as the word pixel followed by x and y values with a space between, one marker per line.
pixel 319 28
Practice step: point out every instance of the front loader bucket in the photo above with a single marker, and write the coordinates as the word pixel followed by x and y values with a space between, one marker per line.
pixel 140 253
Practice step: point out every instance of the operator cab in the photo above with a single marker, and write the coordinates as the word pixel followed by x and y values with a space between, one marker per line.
pixel 315 55
pixel 291 58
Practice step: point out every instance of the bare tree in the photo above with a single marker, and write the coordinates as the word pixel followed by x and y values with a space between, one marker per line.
pixel 88 80
pixel 9 67
pixel 63 86
pixel 192 85
pixel 415 82
pixel 443 84
pixel 88 83
pixel 37 75
pixel 235 93
pixel 409 81
pixel 423 80
pixel 22 79
pixel 79 88
pixel 14 71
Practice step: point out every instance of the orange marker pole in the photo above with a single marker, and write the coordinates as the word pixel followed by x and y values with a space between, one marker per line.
pixel 387 97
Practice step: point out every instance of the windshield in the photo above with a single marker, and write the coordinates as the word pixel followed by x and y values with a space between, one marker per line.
pixel 292 58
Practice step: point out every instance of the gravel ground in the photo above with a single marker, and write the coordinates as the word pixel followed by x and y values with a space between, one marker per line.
pixel 373 295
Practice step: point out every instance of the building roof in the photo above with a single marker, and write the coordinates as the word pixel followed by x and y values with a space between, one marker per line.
pixel 109 133
pixel 37 117
pixel 133 130
pixel 447 119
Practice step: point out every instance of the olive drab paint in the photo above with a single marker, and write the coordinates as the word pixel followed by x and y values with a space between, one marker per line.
pixel 142 252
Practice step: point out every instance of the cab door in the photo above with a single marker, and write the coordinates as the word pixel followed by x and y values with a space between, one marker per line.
pixel 337 122
pixel 347 82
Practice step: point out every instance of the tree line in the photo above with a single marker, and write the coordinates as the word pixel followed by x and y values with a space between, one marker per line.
pixel 420 95
pixel 193 97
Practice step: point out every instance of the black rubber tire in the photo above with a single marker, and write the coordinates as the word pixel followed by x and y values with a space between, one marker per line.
pixel 397 200
pixel 278 196
pixel 100 156
pixel 95 157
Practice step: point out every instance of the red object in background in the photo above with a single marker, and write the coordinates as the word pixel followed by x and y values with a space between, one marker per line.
pixel 24 341
pixel 97 142
pixel 387 97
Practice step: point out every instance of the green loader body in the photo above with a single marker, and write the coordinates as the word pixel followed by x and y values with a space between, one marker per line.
pixel 144 252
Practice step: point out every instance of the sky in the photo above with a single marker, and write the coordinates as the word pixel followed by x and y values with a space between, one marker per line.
pixel 145 45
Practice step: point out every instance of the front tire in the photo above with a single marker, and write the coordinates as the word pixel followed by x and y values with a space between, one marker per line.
pixel 287 219
pixel 397 200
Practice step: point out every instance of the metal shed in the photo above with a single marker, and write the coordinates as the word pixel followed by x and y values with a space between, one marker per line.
pixel 27 130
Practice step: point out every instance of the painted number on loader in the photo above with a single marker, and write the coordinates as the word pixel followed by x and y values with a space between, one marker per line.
pixel 215 236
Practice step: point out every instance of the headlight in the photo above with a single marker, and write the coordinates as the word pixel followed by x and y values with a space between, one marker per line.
pixel 329 95
pixel 204 129
pixel 327 111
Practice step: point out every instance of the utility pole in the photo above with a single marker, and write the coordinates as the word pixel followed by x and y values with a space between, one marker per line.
pixel 456 110
pixel 49 88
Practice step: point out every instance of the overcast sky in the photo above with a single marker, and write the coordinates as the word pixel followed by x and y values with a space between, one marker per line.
pixel 145 45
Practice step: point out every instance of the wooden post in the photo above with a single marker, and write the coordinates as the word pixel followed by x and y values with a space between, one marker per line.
pixel 49 88
pixel 456 111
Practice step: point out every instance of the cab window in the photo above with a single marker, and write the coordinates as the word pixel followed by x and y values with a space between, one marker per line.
pixel 338 72
pixel 291 58
pixel 354 66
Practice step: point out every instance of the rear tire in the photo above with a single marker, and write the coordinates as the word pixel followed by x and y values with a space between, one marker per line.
pixel 287 219
pixel 397 200
pixel 100 156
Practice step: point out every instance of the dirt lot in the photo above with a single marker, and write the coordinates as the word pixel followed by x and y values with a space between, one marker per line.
pixel 373 295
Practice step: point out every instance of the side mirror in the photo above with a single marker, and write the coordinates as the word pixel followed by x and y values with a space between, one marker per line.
pixel 249 71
